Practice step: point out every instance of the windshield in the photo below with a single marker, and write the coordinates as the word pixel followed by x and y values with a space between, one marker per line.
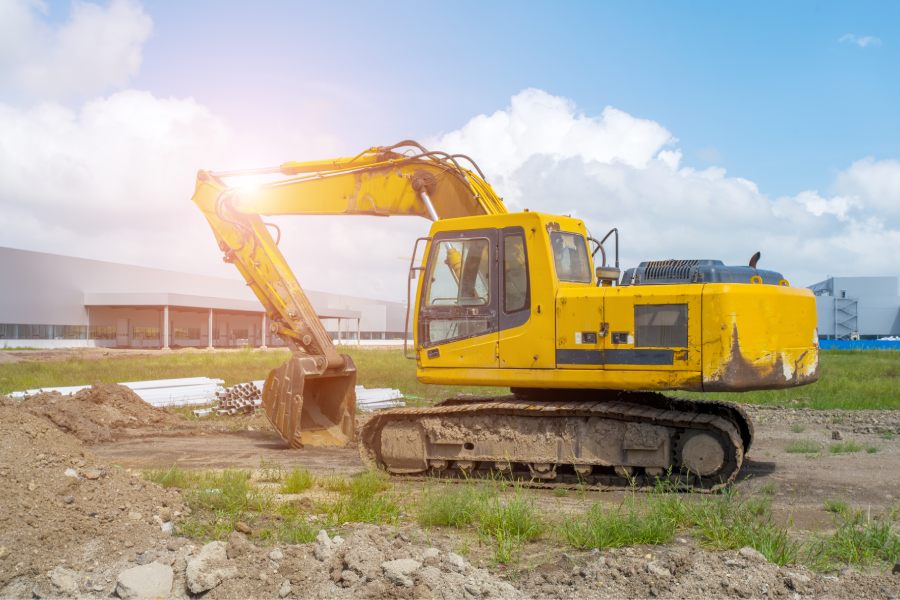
pixel 461 273
pixel 570 257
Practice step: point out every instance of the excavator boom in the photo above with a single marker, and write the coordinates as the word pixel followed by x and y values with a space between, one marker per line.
pixel 310 399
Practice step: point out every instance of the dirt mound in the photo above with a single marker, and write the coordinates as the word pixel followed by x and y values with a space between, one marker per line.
pixel 683 570
pixel 65 512
pixel 102 413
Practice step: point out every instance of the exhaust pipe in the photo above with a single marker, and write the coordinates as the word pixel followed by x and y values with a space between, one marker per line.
pixel 307 408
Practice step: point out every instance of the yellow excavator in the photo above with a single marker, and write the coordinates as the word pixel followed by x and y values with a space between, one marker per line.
pixel 518 301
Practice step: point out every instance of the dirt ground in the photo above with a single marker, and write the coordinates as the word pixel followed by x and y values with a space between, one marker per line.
pixel 78 519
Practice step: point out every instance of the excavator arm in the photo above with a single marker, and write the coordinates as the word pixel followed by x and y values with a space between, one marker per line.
pixel 310 399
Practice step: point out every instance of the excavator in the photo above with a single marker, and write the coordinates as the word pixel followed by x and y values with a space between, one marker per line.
pixel 518 300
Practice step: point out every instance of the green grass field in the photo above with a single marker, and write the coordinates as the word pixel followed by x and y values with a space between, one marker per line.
pixel 849 380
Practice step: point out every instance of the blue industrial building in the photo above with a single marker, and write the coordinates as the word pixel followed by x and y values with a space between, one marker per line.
pixel 858 308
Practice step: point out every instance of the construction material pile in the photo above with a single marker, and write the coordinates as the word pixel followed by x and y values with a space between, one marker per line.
pixel 242 398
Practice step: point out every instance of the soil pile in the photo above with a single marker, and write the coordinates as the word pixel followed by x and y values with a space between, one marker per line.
pixel 102 413
pixel 683 570
pixel 67 518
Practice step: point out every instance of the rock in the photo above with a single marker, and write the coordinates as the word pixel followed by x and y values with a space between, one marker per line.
pixel 324 546
pixel 31 486
pixel 153 580
pixel 238 545
pixel 65 580
pixel 69 499
pixel 398 571
pixel 70 472
pixel 752 554
pixel 285 590
pixel 431 556
pixel 896 568
pixel 165 514
pixel 145 558
pixel 276 554
pixel 3 552
pixel 349 578
pixel 795 581
pixel 337 540
pixel 209 568
pixel 456 562
pixel 92 474
pixel 167 528
pixel 654 568
pixel 836 435
pixel 135 516
pixel 243 528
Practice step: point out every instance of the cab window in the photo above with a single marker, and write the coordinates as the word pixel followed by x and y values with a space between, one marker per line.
pixel 461 273
pixel 570 257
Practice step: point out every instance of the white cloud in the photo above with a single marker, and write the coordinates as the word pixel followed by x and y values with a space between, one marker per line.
pixel 111 178
pixel 630 176
pixel 859 40
pixel 98 48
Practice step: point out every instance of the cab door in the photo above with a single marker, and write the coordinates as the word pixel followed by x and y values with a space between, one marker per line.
pixel 458 316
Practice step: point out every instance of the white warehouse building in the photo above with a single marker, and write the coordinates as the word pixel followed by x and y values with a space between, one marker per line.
pixel 53 301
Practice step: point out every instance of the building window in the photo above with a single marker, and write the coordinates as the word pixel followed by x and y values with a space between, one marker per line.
pixel 145 333
pixel 103 332
pixel 187 333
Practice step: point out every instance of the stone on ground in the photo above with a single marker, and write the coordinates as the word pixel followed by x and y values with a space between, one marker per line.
pixel 209 568
pixel 153 580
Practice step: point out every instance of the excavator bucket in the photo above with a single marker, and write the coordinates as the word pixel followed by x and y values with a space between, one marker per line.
pixel 309 409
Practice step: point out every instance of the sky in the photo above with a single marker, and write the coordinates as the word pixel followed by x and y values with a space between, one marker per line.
pixel 701 129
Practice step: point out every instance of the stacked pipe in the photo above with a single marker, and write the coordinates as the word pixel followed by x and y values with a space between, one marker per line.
pixel 242 398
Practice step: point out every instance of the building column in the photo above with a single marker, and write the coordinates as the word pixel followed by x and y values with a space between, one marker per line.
pixel 358 334
pixel 209 331
pixel 265 329
pixel 165 339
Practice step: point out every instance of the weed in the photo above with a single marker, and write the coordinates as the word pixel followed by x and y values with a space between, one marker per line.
pixel 768 489
pixel 798 428
pixel 887 435
pixel 453 507
pixel 334 483
pixel 508 523
pixel 848 447
pixel 297 481
pixel 173 477
pixel 625 525
pixel 365 501
pixel 803 447
pixel 836 506
pixel 560 492
pixel 860 539
pixel 872 449
pixel 269 471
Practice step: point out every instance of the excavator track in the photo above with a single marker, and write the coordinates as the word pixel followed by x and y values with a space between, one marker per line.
pixel 587 438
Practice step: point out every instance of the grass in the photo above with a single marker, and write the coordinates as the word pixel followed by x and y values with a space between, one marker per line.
pixel 269 472
pixel 872 449
pixel 848 447
pixel 803 447
pixel 504 521
pixel 725 521
pixel 860 539
pixel 377 367
pixel 296 481
pixel 888 435
pixel 797 428
pixel 365 499
pixel 849 380
pixel 836 506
